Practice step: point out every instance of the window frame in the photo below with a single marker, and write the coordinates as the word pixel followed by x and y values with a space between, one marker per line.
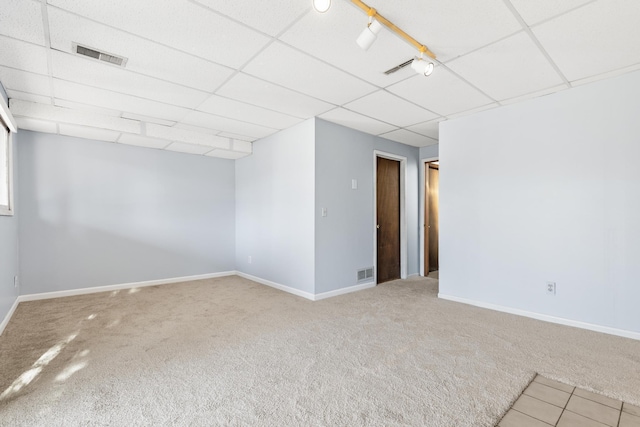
pixel 8 125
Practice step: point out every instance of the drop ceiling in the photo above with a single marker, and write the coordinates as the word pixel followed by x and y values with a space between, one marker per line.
pixel 209 77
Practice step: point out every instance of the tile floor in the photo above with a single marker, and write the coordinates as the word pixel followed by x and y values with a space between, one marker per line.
pixel 547 403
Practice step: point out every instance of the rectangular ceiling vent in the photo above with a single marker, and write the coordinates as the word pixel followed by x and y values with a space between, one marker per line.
pixel 365 274
pixel 102 56
pixel 398 67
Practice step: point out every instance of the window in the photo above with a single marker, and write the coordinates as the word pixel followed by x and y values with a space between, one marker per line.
pixel 6 196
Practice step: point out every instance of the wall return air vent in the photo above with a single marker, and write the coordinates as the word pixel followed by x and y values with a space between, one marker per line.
pixel 365 274
pixel 101 56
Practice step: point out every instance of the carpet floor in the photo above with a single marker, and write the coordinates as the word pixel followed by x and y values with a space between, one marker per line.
pixel 229 351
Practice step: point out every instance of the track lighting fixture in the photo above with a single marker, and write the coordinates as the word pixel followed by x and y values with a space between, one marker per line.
pixel 321 6
pixel 421 66
pixel 369 34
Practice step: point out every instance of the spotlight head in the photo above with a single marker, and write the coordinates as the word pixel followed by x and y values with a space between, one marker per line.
pixel 321 6
pixel 368 35
pixel 421 66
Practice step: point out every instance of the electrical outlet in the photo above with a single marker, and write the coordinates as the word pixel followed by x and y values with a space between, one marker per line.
pixel 15 281
pixel 551 288
pixel 249 259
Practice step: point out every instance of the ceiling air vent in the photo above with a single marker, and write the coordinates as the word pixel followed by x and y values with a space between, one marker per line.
pixel 398 67
pixel 102 56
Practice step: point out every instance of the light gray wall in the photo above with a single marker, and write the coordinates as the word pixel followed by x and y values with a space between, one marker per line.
pixel 97 213
pixel 430 151
pixel 547 190
pixel 9 249
pixel 275 208
pixel 344 238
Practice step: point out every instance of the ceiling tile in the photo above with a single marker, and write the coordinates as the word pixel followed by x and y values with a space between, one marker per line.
pixel 24 96
pixel 410 138
pixel 112 100
pixel 143 56
pixel 430 128
pixel 532 95
pixel 594 39
pixel 442 92
pixel 111 77
pixel 271 20
pixel 210 121
pixel 288 67
pixel 36 125
pixel 22 20
pixel 23 81
pixel 236 136
pixel 226 154
pixel 357 121
pixel 452 28
pixel 186 136
pixel 233 109
pixel 147 119
pixel 88 132
pixel 539 10
pixel 188 148
pixel 607 75
pixel 389 108
pixel 340 27
pixel 243 146
pixel 23 56
pixel 474 110
pixel 268 95
pixel 84 107
pixel 142 141
pixel 509 68
pixel 180 24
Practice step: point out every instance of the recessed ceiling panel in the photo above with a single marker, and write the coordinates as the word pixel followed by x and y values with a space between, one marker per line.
pixel 391 109
pixel 23 56
pixel 430 128
pixel 594 39
pixel 88 132
pixel 410 138
pixel 179 24
pixel 268 95
pixel 112 100
pixel 357 121
pixel 442 92
pixel 270 18
pixel 539 10
pixel 288 67
pixel 22 20
pixel 452 28
pixel 233 109
pixel 143 56
pixel 110 77
pixel 210 121
pixel 23 81
pixel 331 36
pixel 509 68
pixel 188 148
pixel 142 141
pixel 36 125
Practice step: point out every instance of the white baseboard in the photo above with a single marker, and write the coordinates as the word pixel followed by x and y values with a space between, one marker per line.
pixel 107 288
pixel 343 291
pixel 6 319
pixel 275 285
pixel 546 317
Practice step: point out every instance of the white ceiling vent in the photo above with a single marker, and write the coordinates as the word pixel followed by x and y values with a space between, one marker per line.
pixel 102 56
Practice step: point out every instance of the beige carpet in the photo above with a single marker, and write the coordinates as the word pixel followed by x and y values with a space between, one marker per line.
pixel 232 352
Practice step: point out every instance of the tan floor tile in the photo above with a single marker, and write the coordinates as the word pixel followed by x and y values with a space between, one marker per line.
pixel 628 420
pixel 518 419
pixel 538 409
pixel 598 398
pixel 631 409
pixel 547 394
pixel 569 419
pixel 594 410
pixel 555 384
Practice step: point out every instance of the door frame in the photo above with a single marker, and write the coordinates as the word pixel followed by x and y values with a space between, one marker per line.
pixel 423 206
pixel 403 211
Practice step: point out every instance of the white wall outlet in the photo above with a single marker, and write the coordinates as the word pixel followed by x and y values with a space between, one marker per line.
pixel 551 288
pixel 249 259
pixel 324 211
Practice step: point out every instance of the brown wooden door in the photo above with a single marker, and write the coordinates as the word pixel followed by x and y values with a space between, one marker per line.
pixel 431 209
pixel 388 219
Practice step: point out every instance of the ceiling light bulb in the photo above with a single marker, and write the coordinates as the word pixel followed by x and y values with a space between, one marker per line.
pixel 421 66
pixel 369 34
pixel 321 6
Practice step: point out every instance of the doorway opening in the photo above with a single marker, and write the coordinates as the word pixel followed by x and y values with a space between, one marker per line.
pixel 431 229
pixel 390 229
